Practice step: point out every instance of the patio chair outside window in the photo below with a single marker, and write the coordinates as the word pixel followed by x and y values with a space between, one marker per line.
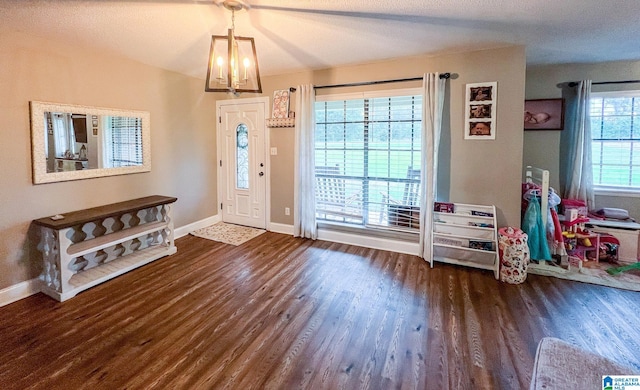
pixel 405 213
pixel 334 201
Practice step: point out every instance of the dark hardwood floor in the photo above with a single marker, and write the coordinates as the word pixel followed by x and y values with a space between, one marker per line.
pixel 285 313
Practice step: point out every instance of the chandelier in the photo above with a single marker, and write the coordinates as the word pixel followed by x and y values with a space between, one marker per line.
pixel 233 64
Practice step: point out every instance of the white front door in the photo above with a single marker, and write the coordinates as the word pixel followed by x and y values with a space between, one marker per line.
pixel 242 163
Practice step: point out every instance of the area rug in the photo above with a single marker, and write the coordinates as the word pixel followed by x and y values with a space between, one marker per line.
pixel 580 368
pixel 594 273
pixel 228 233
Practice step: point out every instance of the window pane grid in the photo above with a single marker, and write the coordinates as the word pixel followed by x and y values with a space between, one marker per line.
pixel 126 141
pixel 616 140
pixel 368 160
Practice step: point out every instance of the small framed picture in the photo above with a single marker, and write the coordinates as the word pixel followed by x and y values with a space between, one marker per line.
pixel 480 92
pixel 481 130
pixel 95 123
pixel 95 131
pixel 480 111
pixel 280 104
pixel 544 114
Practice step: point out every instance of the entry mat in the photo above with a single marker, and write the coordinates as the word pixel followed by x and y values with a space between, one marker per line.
pixel 228 233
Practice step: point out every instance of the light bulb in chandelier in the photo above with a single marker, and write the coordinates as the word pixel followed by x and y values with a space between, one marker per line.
pixel 220 62
pixel 247 63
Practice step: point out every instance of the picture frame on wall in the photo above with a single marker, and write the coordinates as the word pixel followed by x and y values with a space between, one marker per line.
pixel 480 111
pixel 280 104
pixel 544 114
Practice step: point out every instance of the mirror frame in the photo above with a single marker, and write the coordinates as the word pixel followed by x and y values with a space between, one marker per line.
pixel 38 133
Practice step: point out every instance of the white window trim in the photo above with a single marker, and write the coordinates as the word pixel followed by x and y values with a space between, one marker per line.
pixel 626 192
pixel 369 94
pixel 609 94
pixel 602 190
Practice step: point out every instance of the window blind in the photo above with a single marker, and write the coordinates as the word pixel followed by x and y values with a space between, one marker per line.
pixel 368 153
pixel 126 141
pixel 615 133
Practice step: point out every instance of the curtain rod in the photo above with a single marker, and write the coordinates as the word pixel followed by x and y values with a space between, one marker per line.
pixel 574 83
pixel 442 76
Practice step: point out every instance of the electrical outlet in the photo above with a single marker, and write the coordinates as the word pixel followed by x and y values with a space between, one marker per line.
pixel 287 211
pixel 274 151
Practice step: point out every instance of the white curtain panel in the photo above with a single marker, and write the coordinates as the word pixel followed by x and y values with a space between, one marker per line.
pixel 576 169
pixel 304 203
pixel 432 102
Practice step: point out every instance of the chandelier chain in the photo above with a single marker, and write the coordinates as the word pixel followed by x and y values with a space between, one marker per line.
pixel 233 22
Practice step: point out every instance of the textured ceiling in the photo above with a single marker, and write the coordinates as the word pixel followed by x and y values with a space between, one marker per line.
pixel 294 35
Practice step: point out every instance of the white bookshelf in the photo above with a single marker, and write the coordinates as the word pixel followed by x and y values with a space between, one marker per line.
pixel 468 236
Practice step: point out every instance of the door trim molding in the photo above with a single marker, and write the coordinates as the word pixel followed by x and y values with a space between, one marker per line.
pixel 267 155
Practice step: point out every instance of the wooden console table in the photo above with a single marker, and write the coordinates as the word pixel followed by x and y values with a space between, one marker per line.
pixel 88 247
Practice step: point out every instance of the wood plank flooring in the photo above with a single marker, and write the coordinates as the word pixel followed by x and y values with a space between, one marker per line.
pixel 286 313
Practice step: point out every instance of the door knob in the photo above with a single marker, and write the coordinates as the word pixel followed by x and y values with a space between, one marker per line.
pixel 262 164
pixel 261 174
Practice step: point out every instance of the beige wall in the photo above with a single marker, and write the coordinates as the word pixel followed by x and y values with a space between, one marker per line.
pixel 182 138
pixel 183 134
pixel 542 148
pixel 484 172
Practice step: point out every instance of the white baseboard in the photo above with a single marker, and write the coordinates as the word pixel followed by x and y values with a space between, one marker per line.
pixel 386 244
pixel 281 228
pixel 186 229
pixel 18 291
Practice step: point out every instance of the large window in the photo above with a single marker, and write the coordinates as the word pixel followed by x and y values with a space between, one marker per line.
pixel 615 133
pixel 368 153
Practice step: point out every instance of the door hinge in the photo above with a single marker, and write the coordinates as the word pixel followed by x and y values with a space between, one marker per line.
pixel 220 162
pixel 219 119
pixel 220 206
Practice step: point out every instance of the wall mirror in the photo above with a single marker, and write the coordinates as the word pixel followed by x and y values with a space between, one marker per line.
pixel 71 142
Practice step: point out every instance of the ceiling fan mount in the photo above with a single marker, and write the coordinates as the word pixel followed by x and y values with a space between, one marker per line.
pixel 234 5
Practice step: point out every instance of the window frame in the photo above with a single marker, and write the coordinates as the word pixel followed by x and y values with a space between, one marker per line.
pixel 380 231
pixel 611 190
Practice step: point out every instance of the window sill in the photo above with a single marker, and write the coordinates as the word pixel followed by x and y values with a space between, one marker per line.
pixel 408 236
pixel 623 192
pixel 400 242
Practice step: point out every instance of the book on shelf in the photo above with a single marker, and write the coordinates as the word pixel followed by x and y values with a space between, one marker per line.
pixel 443 207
